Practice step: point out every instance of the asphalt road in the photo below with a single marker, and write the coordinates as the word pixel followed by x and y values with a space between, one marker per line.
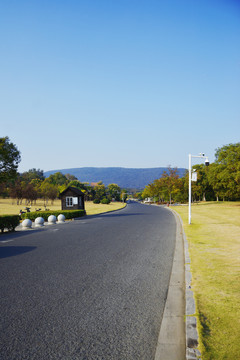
pixel 94 288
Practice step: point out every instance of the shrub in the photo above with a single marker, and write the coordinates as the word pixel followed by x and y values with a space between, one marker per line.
pixel 96 201
pixel 105 201
pixel 9 222
pixel 69 214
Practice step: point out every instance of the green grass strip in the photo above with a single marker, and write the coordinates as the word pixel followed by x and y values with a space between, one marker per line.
pixel 214 245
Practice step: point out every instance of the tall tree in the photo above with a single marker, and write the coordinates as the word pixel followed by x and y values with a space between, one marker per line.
pixel 228 156
pixel 9 159
pixel 171 182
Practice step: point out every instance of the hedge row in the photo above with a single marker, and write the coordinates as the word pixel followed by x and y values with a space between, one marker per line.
pixel 69 214
pixel 9 222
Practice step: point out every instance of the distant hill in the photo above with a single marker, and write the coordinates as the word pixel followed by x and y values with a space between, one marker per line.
pixel 124 177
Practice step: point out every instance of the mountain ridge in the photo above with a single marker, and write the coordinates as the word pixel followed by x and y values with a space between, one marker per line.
pixel 134 178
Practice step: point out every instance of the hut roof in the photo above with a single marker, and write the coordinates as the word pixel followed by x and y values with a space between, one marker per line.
pixel 73 189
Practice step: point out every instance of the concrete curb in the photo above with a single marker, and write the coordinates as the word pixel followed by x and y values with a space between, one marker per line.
pixel 171 340
pixel 192 351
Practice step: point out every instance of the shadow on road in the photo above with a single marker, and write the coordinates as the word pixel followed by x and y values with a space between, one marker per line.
pixel 12 235
pixel 112 215
pixel 8 251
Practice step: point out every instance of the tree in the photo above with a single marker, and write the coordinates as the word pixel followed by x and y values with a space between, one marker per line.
pixel 149 191
pixel 9 159
pixel 77 184
pixel 228 156
pixel 202 189
pixel 32 174
pixel 100 191
pixel 48 191
pixel 169 187
pixel 57 179
pixel 123 195
pixel 70 177
pixel 30 193
pixel 16 191
pixel 171 182
pixel 114 191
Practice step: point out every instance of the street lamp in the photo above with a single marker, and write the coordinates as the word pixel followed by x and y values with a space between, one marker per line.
pixel 201 156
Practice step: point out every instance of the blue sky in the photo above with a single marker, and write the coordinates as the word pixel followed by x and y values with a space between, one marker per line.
pixel 137 83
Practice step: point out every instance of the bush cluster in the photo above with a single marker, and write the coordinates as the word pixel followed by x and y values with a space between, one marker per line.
pixel 9 222
pixel 96 201
pixel 105 201
pixel 69 214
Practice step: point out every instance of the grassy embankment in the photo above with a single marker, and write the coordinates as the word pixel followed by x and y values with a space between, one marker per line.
pixel 10 207
pixel 214 245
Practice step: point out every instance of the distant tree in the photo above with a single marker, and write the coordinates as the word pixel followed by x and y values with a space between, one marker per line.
pixel 123 195
pixel 77 184
pixel 149 191
pixel 114 191
pixel 29 193
pixel 138 195
pixel 171 182
pixel 4 190
pixel 168 188
pixel 9 159
pixel 32 174
pixel 70 177
pixel 57 179
pixel 90 193
pixel 16 191
pixel 52 192
pixel 48 191
pixel 100 191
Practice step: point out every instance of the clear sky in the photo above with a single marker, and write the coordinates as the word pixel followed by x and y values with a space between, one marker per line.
pixel 131 83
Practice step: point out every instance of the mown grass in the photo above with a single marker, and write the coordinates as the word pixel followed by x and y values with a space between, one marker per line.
pixel 10 207
pixel 214 245
pixel 93 209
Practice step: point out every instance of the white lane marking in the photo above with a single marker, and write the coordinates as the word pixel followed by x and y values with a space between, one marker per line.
pixel 5 241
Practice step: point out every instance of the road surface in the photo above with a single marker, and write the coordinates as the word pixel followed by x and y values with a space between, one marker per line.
pixel 89 289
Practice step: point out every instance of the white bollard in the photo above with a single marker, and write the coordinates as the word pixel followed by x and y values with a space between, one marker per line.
pixel 27 224
pixel 61 218
pixel 39 221
pixel 52 220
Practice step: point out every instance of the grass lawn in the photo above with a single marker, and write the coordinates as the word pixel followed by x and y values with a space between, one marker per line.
pixel 214 245
pixel 9 206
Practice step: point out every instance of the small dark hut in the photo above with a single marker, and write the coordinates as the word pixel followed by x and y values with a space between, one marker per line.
pixel 72 199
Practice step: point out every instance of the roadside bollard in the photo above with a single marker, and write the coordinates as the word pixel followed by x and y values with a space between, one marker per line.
pixel 61 218
pixel 52 220
pixel 39 221
pixel 27 224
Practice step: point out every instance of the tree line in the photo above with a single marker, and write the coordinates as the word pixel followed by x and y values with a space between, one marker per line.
pixel 218 181
pixel 32 184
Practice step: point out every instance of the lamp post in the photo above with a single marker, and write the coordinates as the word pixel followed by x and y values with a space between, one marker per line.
pixel 201 156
